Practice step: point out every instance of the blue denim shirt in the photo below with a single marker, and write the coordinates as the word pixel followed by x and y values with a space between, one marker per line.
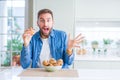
pixel 58 45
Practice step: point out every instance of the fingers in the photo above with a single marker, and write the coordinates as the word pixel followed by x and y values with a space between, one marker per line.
pixel 29 31
pixel 26 36
pixel 30 27
pixel 77 46
pixel 75 42
pixel 78 36
pixel 78 40
pixel 26 33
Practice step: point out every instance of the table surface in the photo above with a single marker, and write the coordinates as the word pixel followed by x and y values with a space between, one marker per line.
pixel 96 58
pixel 84 74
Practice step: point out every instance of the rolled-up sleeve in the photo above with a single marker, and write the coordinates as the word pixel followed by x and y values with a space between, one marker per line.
pixel 25 58
pixel 68 59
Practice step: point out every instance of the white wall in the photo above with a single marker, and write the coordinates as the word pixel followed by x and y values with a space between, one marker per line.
pixel 97 8
pixel 63 11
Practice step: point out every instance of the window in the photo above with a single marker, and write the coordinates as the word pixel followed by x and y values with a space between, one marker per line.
pixel 12 16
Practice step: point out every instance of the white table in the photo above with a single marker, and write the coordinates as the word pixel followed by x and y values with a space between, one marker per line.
pixel 84 74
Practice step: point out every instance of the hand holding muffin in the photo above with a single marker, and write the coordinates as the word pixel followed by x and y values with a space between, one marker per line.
pixel 28 33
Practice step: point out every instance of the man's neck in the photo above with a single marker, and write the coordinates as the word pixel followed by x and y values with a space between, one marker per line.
pixel 43 36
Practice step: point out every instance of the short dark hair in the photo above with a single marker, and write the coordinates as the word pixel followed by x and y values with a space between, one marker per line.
pixel 42 11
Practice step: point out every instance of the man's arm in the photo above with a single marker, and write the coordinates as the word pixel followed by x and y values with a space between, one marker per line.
pixel 69 45
pixel 68 54
pixel 25 58
pixel 26 52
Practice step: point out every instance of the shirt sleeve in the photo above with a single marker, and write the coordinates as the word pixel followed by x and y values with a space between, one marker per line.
pixel 68 59
pixel 25 58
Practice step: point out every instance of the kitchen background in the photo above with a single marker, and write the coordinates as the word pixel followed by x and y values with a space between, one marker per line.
pixel 97 20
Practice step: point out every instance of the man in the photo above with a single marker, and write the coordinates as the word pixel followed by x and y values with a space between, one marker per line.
pixel 47 43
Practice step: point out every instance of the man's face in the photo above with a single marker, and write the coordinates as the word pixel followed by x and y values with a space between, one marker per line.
pixel 45 23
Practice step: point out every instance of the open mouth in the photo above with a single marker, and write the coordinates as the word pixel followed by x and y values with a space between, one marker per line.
pixel 45 30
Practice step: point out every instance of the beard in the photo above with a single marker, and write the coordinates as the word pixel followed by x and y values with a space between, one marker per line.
pixel 45 32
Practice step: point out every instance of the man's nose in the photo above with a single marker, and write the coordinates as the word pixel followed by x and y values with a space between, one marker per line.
pixel 46 23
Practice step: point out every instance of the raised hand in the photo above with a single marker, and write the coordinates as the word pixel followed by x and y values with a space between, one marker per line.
pixel 74 42
pixel 28 33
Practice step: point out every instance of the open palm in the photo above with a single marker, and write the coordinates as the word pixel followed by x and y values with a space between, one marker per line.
pixel 74 42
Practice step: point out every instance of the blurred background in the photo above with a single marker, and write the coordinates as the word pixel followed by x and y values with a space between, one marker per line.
pixel 97 20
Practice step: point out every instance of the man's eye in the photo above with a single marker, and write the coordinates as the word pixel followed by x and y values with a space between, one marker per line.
pixel 48 20
pixel 42 21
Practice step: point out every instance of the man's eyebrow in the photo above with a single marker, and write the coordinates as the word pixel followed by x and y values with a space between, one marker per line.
pixel 47 18
pixel 41 18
